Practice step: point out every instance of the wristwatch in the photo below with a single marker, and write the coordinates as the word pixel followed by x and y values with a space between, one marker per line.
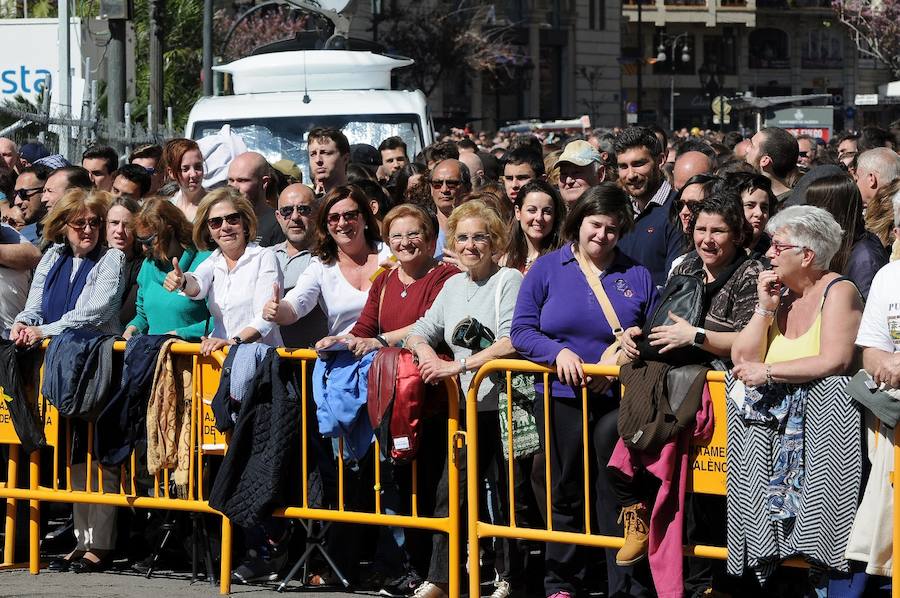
pixel 381 340
pixel 699 337
pixel 236 340
pixel 462 364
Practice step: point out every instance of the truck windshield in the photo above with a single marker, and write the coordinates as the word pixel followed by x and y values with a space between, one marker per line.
pixel 285 137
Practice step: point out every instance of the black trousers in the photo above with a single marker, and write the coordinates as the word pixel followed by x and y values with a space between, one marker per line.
pixel 566 564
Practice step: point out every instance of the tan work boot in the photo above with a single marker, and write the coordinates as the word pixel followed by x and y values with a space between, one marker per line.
pixel 637 535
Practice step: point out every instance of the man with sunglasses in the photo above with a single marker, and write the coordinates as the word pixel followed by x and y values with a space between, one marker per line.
pixel 28 192
pixel 250 174
pixel 298 208
pixel 450 180
pixel 149 156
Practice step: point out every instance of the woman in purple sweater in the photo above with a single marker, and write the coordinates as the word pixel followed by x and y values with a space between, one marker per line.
pixel 558 321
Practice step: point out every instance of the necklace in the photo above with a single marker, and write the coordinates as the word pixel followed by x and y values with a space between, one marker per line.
pixel 475 292
pixel 403 293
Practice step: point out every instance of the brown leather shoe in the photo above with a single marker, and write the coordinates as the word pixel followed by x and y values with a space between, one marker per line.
pixel 637 535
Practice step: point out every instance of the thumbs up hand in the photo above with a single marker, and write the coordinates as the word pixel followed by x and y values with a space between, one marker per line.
pixel 175 278
pixel 270 310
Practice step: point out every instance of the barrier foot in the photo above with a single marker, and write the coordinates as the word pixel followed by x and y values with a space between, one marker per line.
pixel 225 565
pixel 10 566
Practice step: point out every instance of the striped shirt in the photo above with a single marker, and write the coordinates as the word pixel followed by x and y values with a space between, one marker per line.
pixel 97 306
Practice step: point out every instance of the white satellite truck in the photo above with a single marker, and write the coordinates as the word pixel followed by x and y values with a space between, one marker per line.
pixel 279 96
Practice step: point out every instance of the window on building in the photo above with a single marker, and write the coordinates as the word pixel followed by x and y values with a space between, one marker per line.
pixel 822 49
pixel 721 50
pixel 597 14
pixel 769 49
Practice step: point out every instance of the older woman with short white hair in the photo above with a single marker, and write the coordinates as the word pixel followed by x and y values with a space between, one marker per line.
pixel 805 324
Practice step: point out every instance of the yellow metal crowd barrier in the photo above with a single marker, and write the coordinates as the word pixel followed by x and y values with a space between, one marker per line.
pixel 707 463
pixel 205 441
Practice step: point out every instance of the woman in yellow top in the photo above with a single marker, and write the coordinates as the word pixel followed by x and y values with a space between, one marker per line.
pixel 805 324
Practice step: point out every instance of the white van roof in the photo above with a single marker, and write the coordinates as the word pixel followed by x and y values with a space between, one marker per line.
pixel 322 103
pixel 312 70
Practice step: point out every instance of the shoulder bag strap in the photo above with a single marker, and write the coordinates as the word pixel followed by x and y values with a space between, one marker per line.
pixel 594 281
pixel 502 274
pixel 381 297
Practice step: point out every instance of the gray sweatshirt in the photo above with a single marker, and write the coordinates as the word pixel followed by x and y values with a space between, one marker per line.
pixel 461 297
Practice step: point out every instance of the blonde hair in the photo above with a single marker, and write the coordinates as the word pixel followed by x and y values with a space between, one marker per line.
pixel 202 237
pixel 482 211
pixel 74 202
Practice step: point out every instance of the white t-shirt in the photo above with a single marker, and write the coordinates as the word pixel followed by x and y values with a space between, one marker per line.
pixel 326 286
pixel 236 298
pixel 880 326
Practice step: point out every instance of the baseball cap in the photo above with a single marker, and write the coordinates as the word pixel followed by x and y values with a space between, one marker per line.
pixel 31 152
pixel 579 153
pixel 288 168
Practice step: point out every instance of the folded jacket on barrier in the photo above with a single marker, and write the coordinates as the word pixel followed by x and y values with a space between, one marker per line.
pixel 169 416
pixel 22 412
pixel 236 381
pixel 340 389
pixel 123 421
pixel 826 503
pixel 668 462
pixel 80 374
pixel 261 469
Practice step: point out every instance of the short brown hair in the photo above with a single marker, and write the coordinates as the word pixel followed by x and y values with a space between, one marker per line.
pixel 605 199
pixel 484 212
pixel 174 152
pixel 407 210
pixel 74 202
pixel 202 237
pixel 340 140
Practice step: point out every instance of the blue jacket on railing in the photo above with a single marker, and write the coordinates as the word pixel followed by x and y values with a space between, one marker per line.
pixel 340 389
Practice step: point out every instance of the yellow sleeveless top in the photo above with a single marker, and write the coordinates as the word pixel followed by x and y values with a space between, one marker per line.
pixel 807 344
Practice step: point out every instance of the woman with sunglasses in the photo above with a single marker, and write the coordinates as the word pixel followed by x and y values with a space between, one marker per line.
pixel 184 165
pixel 237 279
pixel 77 285
pixel 346 259
pixel 120 235
pixel 164 234
pixel 686 201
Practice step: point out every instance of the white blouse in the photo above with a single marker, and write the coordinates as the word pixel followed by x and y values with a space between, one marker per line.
pixel 236 298
pixel 325 285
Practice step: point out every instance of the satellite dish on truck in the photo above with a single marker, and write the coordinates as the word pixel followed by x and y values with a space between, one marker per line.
pixel 330 9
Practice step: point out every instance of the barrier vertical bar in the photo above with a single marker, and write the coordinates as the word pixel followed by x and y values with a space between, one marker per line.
pixel 196 424
pixel 34 516
pixel 453 494
pixel 377 460
pixel 341 473
pixel 225 560
pixel 511 461
pixel 586 456
pixel 304 440
pixel 9 540
pixel 895 560
pixel 547 451
pixel 472 476
pixel 414 491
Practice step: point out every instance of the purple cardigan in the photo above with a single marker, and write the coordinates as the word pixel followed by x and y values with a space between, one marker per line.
pixel 557 309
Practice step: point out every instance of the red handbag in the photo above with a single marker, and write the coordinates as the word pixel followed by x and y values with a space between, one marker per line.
pixel 396 398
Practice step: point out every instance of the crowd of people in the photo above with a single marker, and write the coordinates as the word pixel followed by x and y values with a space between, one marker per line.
pixel 562 251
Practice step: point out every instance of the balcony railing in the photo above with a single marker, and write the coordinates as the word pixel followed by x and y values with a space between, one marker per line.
pixel 651 4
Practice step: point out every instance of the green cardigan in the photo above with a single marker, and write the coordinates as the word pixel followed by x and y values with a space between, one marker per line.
pixel 159 311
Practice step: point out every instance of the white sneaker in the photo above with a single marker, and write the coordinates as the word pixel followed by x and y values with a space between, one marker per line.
pixel 501 589
pixel 429 590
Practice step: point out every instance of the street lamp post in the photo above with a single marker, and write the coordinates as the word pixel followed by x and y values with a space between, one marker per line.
pixel 671 41
pixel 712 78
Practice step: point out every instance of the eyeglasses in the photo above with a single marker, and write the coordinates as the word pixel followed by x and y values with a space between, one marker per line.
pixel 778 248
pixel 348 216
pixel 150 170
pixel 689 204
pixel 451 183
pixel 84 223
pixel 288 211
pixel 477 238
pixel 24 194
pixel 412 237
pixel 146 241
pixel 216 222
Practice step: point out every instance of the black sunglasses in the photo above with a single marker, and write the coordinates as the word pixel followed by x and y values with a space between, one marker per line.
pixel 288 211
pixel 216 221
pixel 146 241
pixel 24 194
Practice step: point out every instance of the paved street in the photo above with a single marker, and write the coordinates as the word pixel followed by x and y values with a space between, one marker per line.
pixel 21 584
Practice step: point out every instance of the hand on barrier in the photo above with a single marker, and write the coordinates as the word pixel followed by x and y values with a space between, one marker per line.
pixel 629 346
pixel 768 290
pixel 270 310
pixel 129 332
pixel 210 344
pixel 673 336
pixel 24 335
pixel 569 368
pixel 174 279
